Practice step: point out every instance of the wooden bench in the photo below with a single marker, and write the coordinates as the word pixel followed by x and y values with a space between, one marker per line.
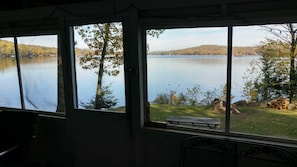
pixel 194 121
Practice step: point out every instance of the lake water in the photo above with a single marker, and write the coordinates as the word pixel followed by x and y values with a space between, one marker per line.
pixel 179 73
pixel 165 73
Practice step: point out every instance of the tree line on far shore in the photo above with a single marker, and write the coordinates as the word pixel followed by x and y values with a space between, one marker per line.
pixel 7 50
pixel 208 50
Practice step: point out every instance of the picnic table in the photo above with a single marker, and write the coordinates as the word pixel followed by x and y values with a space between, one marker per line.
pixel 194 121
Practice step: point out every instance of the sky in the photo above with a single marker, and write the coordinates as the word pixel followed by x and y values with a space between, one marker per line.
pixel 179 38
pixel 173 39
pixel 41 40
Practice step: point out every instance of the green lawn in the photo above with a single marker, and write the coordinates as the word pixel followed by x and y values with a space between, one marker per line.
pixel 254 120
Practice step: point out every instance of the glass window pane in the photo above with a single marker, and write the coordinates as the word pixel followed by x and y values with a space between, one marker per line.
pixel 9 85
pixel 264 80
pixel 38 59
pixel 186 73
pixel 99 67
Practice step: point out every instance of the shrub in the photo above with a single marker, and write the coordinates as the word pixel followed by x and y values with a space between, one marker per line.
pixel 106 100
pixel 162 98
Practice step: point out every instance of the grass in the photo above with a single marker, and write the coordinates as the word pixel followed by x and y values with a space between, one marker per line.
pixel 253 120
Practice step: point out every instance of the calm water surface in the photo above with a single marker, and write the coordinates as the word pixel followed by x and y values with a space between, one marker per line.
pixel 179 73
pixel 165 73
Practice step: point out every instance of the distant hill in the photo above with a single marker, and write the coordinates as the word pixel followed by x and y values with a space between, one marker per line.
pixel 7 49
pixel 208 50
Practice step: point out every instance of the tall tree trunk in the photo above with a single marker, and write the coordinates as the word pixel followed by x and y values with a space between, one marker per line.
pixel 101 68
pixel 99 83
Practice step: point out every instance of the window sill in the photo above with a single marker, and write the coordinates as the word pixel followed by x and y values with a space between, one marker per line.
pixel 40 113
pixel 235 136
pixel 52 115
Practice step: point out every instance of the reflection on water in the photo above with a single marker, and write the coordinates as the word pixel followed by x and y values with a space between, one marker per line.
pixel 39 80
pixel 9 89
pixel 178 73
pixel 165 73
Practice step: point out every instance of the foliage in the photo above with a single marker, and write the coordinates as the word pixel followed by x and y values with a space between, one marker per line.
pixel 191 97
pixel 182 99
pixel 106 44
pixel 250 92
pixel 162 98
pixel 7 49
pixel 106 100
pixel 155 33
pixel 277 67
pixel 273 70
pixel 224 96
pixel 208 50
pixel 209 96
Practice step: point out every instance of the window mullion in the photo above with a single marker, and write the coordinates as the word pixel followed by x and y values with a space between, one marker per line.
pixel 19 72
pixel 229 73
pixel 66 52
